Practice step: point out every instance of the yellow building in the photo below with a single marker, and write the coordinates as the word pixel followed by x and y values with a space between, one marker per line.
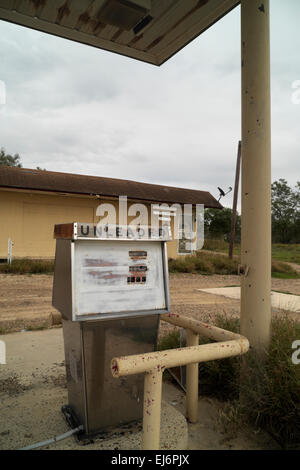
pixel 33 201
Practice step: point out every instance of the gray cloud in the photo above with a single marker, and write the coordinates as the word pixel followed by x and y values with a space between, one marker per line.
pixel 74 108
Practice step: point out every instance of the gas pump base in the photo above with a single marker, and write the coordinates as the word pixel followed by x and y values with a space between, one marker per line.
pixel 129 436
pixel 74 423
pixel 83 438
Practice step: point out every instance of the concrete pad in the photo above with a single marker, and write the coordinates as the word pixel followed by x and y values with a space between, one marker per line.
pixel 35 416
pixel 278 300
pixel 33 390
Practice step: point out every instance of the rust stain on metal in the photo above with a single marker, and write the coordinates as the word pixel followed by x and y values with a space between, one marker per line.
pixel 38 3
pixel 98 26
pixel 117 34
pixel 156 41
pixel 200 4
pixel 84 18
pixel 62 11
pixel 135 40
pixel 115 367
pixel 64 231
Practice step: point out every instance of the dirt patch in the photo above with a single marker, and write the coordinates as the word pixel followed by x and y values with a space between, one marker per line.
pixel 187 300
pixel 12 386
pixel 57 381
pixel 26 300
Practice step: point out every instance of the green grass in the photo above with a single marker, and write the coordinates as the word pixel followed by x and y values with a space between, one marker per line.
pixel 209 263
pixel 200 263
pixel 288 253
pixel 170 341
pixel 203 263
pixel 44 326
pixel 220 246
pixel 283 270
pixel 285 275
pixel 280 252
pixel 27 266
pixel 270 389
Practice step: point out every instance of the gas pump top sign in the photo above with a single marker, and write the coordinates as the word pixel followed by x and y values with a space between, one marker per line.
pixel 85 231
pixel 98 278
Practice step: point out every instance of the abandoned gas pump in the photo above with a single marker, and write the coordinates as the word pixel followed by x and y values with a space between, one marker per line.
pixel 110 292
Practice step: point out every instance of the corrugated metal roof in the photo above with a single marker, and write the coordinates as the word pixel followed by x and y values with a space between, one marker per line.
pixel 40 180
pixel 162 30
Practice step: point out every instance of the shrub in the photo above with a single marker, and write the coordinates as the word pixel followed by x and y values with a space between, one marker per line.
pixel 280 267
pixel 216 245
pixel 270 389
pixel 27 266
pixel 209 263
pixel 219 378
pixel 204 263
pixel 169 341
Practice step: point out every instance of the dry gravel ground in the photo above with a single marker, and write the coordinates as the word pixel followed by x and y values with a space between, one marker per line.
pixel 32 384
pixel 25 300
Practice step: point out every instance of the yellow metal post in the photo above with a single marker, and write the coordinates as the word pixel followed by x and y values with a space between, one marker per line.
pixel 192 376
pixel 152 410
pixel 256 174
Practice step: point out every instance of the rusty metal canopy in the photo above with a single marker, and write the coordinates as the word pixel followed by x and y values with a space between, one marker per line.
pixel 147 30
pixel 69 183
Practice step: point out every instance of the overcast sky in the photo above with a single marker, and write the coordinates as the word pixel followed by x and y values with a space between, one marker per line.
pixel 73 108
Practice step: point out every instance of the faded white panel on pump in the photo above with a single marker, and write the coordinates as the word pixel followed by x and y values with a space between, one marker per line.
pixel 110 277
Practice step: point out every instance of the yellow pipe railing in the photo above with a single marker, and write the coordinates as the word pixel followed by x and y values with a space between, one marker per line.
pixel 153 364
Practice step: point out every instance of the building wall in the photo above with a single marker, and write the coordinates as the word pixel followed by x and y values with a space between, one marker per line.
pixel 28 218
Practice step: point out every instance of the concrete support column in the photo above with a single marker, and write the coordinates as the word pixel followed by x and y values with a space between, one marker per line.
pixel 256 174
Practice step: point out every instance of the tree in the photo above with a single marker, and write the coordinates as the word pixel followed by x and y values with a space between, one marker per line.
pixel 9 160
pixel 217 223
pixel 285 212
